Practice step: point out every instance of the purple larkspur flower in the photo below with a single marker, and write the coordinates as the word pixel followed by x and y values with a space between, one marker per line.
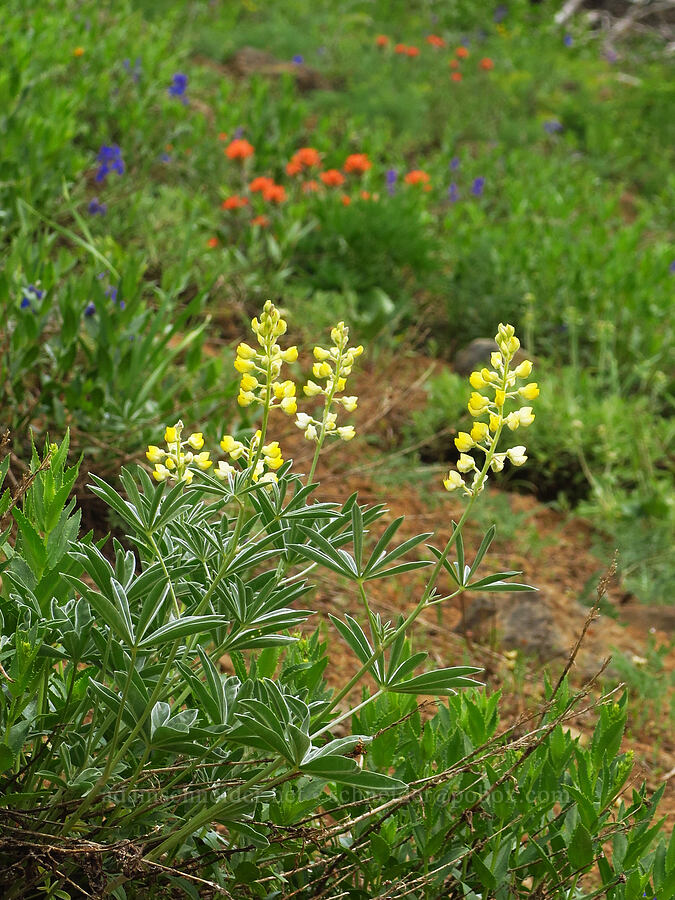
pixel 390 179
pixel 477 186
pixel 90 309
pixel 671 267
pixel 33 289
pixel 165 158
pixel 178 87
pixel 97 209
pixel 453 193
pixel 611 55
pixel 238 133
pixel 568 40
pixel 454 163
pixel 110 159
pixel 500 13
pixel 552 126
pixel 298 59
pixel 25 302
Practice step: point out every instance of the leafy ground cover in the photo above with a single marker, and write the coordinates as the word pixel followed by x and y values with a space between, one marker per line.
pixel 422 174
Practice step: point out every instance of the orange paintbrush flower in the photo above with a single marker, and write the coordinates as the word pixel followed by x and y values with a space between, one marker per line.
pixel 435 40
pixel 486 63
pixel 332 178
pixel 239 149
pixel 260 183
pixel 234 202
pixel 462 52
pixel 357 162
pixel 274 193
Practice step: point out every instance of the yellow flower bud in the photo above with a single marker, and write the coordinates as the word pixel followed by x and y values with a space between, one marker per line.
pixel 248 383
pixel 321 370
pixel 495 422
pixel 525 415
pixel 171 434
pixel 311 433
pixel 243 365
pixel 500 397
pixel 464 441
pixel 311 389
pixel 341 384
pixel 477 404
pixel 289 355
pixel 477 381
pixel 517 455
pixel 524 369
pixel 513 421
pixel 170 463
pixel 228 443
pixel 320 354
pixel 202 460
pixel 496 360
pixel 155 454
pixel 274 462
pixel 196 440
pixel 465 463
pixel 453 481
pixel 272 449
pixel 187 476
pixel 497 463
pixel 289 405
pixel 160 473
pixel 245 398
pixel 346 432
pixel 245 351
pixel 479 431
pixel 224 470
pixel 529 391
pixel 349 403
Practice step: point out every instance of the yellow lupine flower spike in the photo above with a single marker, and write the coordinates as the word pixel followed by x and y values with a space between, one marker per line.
pixel 485 436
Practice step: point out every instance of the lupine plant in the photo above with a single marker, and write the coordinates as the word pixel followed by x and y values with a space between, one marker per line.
pixel 164 720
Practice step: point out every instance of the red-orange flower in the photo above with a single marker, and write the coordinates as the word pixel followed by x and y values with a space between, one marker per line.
pixel 310 187
pixel 293 167
pixel 345 200
pixel 222 136
pixel 401 48
pixel 212 242
pixel 234 202
pixel 239 149
pixel 412 51
pixel 365 195
pixel 462 52
pixel 453 64
pixel 262 221
pixel 382 40
pixel 307 156
pixel 435 40
pixel 261 183
pixel 274 193
pixel 357 162
pixel 332 178
pixel 418 177
pixel 456 76
pixel 486 63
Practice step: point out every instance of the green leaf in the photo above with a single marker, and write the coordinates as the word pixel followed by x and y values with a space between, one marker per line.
pixel 34 549
pixel 483 549
pixel 580 848
pixel 441 682
pixel 345 771
pixel 354 635
pixel 181 628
